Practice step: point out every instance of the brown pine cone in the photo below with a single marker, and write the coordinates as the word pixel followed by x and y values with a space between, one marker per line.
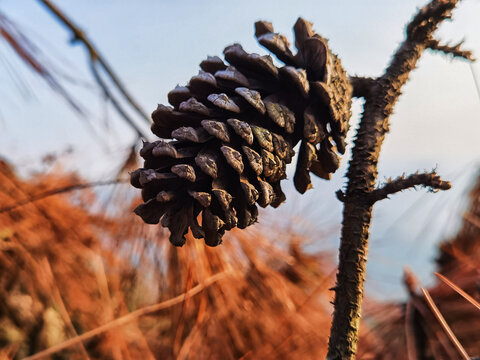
pixel 234 128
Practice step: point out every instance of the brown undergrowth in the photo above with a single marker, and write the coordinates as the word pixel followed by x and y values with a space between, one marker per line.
pixel 71 263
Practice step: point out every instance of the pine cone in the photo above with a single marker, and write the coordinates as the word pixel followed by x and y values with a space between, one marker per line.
pixel 234 129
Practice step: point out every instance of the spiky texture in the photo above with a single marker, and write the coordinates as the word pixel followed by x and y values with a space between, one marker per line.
pixel 233 130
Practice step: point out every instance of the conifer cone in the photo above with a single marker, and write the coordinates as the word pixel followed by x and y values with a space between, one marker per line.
pixel 231 132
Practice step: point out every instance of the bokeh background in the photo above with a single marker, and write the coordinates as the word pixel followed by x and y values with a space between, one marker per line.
pixel 155 45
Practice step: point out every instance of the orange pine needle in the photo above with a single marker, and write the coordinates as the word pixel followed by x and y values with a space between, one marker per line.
pixel 129 317
pixel 462 293
pixel 441 320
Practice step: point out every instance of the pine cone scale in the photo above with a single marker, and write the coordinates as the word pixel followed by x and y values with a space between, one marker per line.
pixel 235 126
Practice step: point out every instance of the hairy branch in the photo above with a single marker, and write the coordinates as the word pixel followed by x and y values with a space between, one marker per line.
pixel 428 180
pixel 454 50
pixel 362 174
pixel 95 59
pixel 362 86
pixel 426 21
pixel 57 191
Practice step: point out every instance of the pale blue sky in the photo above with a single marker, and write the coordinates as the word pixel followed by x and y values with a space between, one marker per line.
pixel 154 45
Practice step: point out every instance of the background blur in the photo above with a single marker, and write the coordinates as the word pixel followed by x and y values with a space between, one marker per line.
pixel 155 45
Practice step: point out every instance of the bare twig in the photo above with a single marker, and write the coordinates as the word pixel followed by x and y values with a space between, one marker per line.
pixel 97 59
pixel 362 174
pixel 57 191
pixel 31 57
pixel 130 317
pixel 441 320
pixel 429 180
pixel 454 50
pixel 115 103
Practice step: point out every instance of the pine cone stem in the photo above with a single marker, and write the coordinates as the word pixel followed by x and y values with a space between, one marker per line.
pixel 362 175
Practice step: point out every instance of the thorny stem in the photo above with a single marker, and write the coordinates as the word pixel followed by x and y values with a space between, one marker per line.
pixel 380 95
pixel 429 180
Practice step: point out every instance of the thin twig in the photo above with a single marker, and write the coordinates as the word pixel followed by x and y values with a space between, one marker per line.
pixel 79 35
pixel 130 317
pixel 429 180
pixel 108 95
pixel 441 320
pixel 60 190
pixel 96 58
pixel 30 56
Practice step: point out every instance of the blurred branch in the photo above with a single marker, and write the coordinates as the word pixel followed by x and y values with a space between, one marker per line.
pixel 131 317
pixel 108 95
pixel 30 55
pixel 97 59
pixel 413 332
pixel 60 190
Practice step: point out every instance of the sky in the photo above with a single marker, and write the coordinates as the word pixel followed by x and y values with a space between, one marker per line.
pixel 155 45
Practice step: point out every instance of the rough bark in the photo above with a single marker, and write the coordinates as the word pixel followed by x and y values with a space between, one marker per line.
pixel 380 95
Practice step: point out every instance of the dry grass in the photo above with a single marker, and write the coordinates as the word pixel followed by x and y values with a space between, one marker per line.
pixel 68 271
pixel 88 280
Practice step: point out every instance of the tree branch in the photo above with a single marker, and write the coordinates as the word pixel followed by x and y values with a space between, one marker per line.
pixel 362 86
pixel 96 58
pixel 362 175
pixel 426 21
pixel 108 95
pixel 428 180
pixel 60 190
pixel 454 50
